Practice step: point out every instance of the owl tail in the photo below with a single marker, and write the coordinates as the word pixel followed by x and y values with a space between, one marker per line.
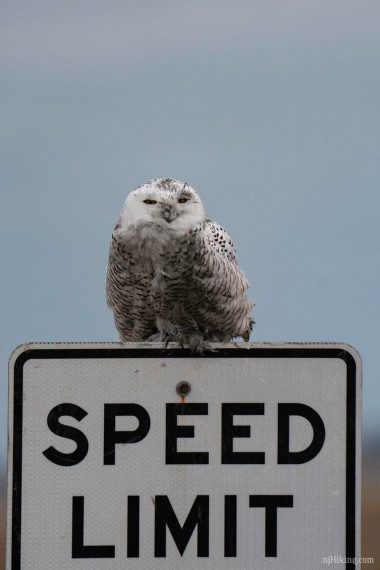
pixel 247 333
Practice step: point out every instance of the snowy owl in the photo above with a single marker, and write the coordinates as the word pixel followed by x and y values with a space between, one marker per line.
pixel 172 273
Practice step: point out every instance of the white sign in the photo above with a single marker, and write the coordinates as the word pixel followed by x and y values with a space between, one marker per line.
pixel 114 464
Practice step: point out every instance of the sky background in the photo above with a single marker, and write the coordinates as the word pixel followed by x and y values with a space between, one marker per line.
pixel 269 109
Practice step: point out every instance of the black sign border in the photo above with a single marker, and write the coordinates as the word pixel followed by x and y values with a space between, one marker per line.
pixel 116 352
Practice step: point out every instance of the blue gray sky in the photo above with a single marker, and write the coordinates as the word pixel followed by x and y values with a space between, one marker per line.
pixel 270 109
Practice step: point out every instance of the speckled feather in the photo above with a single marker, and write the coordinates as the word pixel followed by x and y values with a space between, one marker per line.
pixel 174 280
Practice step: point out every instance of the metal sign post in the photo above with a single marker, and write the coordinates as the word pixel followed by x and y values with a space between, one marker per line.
pixel 134 456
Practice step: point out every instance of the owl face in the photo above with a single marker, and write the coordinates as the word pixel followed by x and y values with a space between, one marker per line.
pixel 169 204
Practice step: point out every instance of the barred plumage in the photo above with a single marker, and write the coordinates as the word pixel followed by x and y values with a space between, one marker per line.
pixel 172 273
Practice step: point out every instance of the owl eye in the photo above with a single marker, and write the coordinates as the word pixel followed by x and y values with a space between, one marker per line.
pixel 150 201
pixel 182 200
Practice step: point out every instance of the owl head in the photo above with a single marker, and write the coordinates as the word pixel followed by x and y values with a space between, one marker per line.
pixel 170 204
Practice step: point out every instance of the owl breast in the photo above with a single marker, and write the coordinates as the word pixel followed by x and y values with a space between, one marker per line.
pixel 175 284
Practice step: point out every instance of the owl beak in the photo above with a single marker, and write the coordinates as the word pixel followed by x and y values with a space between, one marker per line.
pixel 169 213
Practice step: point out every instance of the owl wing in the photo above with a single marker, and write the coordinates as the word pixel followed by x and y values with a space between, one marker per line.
pixel 127 290
pixel 218 294
pixel 220 240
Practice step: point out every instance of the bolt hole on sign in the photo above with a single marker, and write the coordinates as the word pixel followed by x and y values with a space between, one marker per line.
pixel 132 456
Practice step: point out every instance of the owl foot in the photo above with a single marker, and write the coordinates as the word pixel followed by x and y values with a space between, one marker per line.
pixel 186 336
pixel 197 343
pixel 193 339
pixel 156 337
pixel 164 336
